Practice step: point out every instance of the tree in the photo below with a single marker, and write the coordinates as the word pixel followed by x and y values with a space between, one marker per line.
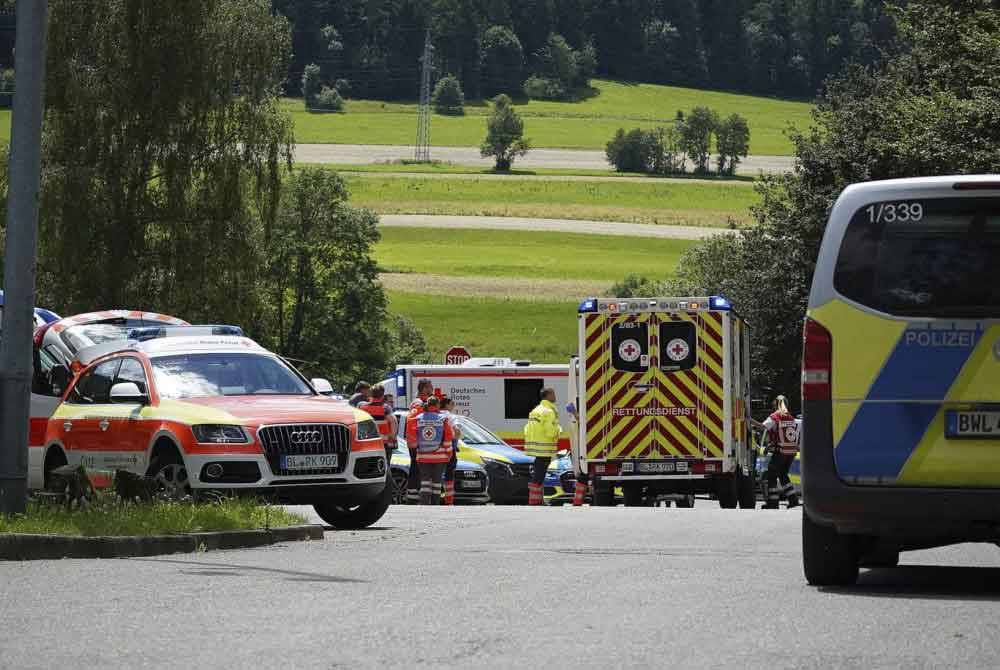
pixel 697 131
pixel 448 97
pixel 503 61
pixel 504 134
pixel 732 139
pixel 637 150
pixel 163 145
pixel 311 85
pixel 326 306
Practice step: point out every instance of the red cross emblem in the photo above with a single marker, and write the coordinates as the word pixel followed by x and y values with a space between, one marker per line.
pixel 678 350
pixel 629 350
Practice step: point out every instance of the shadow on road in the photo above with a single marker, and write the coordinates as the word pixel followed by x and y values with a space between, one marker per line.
pixel 232 570
pixel 927 582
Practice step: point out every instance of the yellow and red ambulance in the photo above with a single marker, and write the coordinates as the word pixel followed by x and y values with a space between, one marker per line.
pixel 214 412
pixel 662 386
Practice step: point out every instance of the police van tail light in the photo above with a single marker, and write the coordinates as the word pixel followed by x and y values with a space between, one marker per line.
pixel 817 361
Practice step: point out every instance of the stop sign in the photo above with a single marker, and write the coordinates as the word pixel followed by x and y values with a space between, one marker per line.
pixel 457 356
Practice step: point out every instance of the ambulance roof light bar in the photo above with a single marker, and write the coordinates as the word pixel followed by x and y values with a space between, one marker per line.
pixel 715 303
pixel 154 332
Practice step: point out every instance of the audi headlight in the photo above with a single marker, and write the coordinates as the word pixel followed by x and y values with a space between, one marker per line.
pixel 498 465
pixel 212 433
pixel 367 430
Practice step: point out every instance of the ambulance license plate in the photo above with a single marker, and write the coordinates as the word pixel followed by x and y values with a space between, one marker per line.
pixel 649 468
pixel 308 461
pixel 975 424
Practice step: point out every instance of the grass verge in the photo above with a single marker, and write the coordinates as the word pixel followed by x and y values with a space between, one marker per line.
pixel 541 255
pixel 544 332
pixel 111 518
pixel 447 168
pixel 665 203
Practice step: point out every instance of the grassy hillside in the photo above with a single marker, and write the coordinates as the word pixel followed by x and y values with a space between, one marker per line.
pixel 587 124
pixel 501 253
pixel 666 202
pixel 543 332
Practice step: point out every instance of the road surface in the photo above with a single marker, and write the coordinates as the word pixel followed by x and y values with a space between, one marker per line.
pixel 524 224
pixel 506 587
pixel 536 158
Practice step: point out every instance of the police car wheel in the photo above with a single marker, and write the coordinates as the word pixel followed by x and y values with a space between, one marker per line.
pixel 634 495
pixel 399 480
pixel 604 495
pixel 356 517
pixel 828 558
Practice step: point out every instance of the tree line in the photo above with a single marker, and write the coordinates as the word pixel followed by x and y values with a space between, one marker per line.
pixel 769 47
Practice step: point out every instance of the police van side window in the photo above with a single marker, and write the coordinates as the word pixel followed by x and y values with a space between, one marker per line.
pixel 521 396
pixel 94 387
pixel 941 263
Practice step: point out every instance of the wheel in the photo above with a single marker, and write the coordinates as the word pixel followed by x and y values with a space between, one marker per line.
pixel 828 558
pixel 634 495
pixel 356 517
pixel 747 487
pixel 604 495
pixel 55 458
pixel 726 491
pixel 171 476
pixel 399 479
pixel 880 558
pixel 685 501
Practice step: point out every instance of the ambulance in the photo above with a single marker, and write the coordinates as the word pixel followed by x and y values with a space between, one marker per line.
pixel 499 393
pixel 662 386
pixel 901 375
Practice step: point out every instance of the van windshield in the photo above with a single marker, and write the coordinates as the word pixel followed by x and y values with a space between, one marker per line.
pixel 923 258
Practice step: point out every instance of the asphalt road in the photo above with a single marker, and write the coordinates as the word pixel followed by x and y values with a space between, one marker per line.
pixel 536 158
pixel 501 587
pixel 525 224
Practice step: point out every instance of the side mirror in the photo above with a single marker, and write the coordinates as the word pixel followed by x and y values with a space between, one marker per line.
pixel 128 393
pixel 322 386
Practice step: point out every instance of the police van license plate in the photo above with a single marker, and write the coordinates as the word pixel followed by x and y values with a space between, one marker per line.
pixel 973 424
pixel 308 461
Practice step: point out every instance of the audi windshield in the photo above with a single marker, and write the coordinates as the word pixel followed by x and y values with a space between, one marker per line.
pixel 225 374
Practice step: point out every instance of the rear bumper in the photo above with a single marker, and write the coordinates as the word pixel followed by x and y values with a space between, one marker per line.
pixel 904 514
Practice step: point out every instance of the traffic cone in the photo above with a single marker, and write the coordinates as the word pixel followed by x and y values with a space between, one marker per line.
pixel 449 493
pixel 535 494
pixel 579 493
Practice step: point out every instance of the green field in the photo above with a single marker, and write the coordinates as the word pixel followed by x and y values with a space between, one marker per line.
pixel 503 253
pixel 537 331
pixel 668 203
pixel 587 124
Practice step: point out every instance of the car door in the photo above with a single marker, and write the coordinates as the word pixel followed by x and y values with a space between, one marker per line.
pixel 85 415
pixel 131 426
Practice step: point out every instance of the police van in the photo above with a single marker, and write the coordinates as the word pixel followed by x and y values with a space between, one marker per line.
pixel 663 390
pixel 497 392
pixel 901 375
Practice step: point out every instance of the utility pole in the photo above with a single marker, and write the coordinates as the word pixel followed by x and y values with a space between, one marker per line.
pixel 19 262
pixel 423 148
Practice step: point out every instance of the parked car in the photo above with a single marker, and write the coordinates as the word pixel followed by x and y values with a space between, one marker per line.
pixel 200 413
pixel 471 480
pixel 509 469
pixel 42 316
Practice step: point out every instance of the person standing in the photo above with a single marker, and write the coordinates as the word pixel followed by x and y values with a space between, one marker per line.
pixel 434 450
pixel 447 409
pixel 541 440
pixel 362 391
pixel 381 412
pixel 425 388
pixel 783 442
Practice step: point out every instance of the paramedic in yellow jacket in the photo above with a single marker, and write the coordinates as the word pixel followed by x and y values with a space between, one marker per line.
pixel 541 440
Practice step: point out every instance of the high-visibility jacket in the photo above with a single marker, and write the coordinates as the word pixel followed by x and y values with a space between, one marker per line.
pixel 434 438
pixel 541 433
pixel 416 409
pixel 783 433
pixel 381 413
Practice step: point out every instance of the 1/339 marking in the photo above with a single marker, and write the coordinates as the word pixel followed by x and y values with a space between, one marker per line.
pixel 891 212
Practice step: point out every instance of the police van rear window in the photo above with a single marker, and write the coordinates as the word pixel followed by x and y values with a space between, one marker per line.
pixel 923 258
